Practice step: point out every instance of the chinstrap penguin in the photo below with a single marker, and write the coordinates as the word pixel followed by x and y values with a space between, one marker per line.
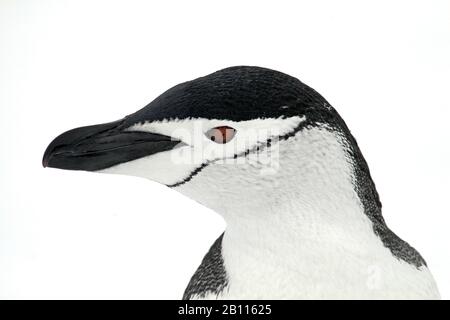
pixel 276 160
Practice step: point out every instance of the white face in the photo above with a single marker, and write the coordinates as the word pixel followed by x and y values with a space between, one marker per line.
pixel 196 147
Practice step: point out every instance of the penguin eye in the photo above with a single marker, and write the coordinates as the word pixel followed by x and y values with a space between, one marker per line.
pixel 221 134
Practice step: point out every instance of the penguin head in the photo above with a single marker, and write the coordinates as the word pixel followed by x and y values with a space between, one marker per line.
pixel 222 135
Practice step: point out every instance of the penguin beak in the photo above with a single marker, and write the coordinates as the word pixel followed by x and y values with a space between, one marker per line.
pixel 102 146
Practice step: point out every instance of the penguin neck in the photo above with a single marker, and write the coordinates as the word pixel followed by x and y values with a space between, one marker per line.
pixel 310 224
pixel 310 210
pixel 303 232
pixel 309 206
pixel 294 236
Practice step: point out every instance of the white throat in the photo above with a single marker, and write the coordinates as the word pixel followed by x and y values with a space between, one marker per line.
pixel 301 232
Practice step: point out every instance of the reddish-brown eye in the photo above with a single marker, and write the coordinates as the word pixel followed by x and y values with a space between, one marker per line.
pixel 221 134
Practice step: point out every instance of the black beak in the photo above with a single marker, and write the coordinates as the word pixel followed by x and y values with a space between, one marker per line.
pixel 102 146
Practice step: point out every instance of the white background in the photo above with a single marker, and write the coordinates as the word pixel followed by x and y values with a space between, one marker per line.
pixel 383 64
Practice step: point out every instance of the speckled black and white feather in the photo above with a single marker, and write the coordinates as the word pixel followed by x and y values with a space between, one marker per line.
pixel 210 277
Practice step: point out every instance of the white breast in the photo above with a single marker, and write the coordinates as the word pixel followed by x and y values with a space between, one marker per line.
pixel 335 268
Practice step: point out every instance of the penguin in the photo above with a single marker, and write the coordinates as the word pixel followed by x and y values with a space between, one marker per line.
pixel 279 164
